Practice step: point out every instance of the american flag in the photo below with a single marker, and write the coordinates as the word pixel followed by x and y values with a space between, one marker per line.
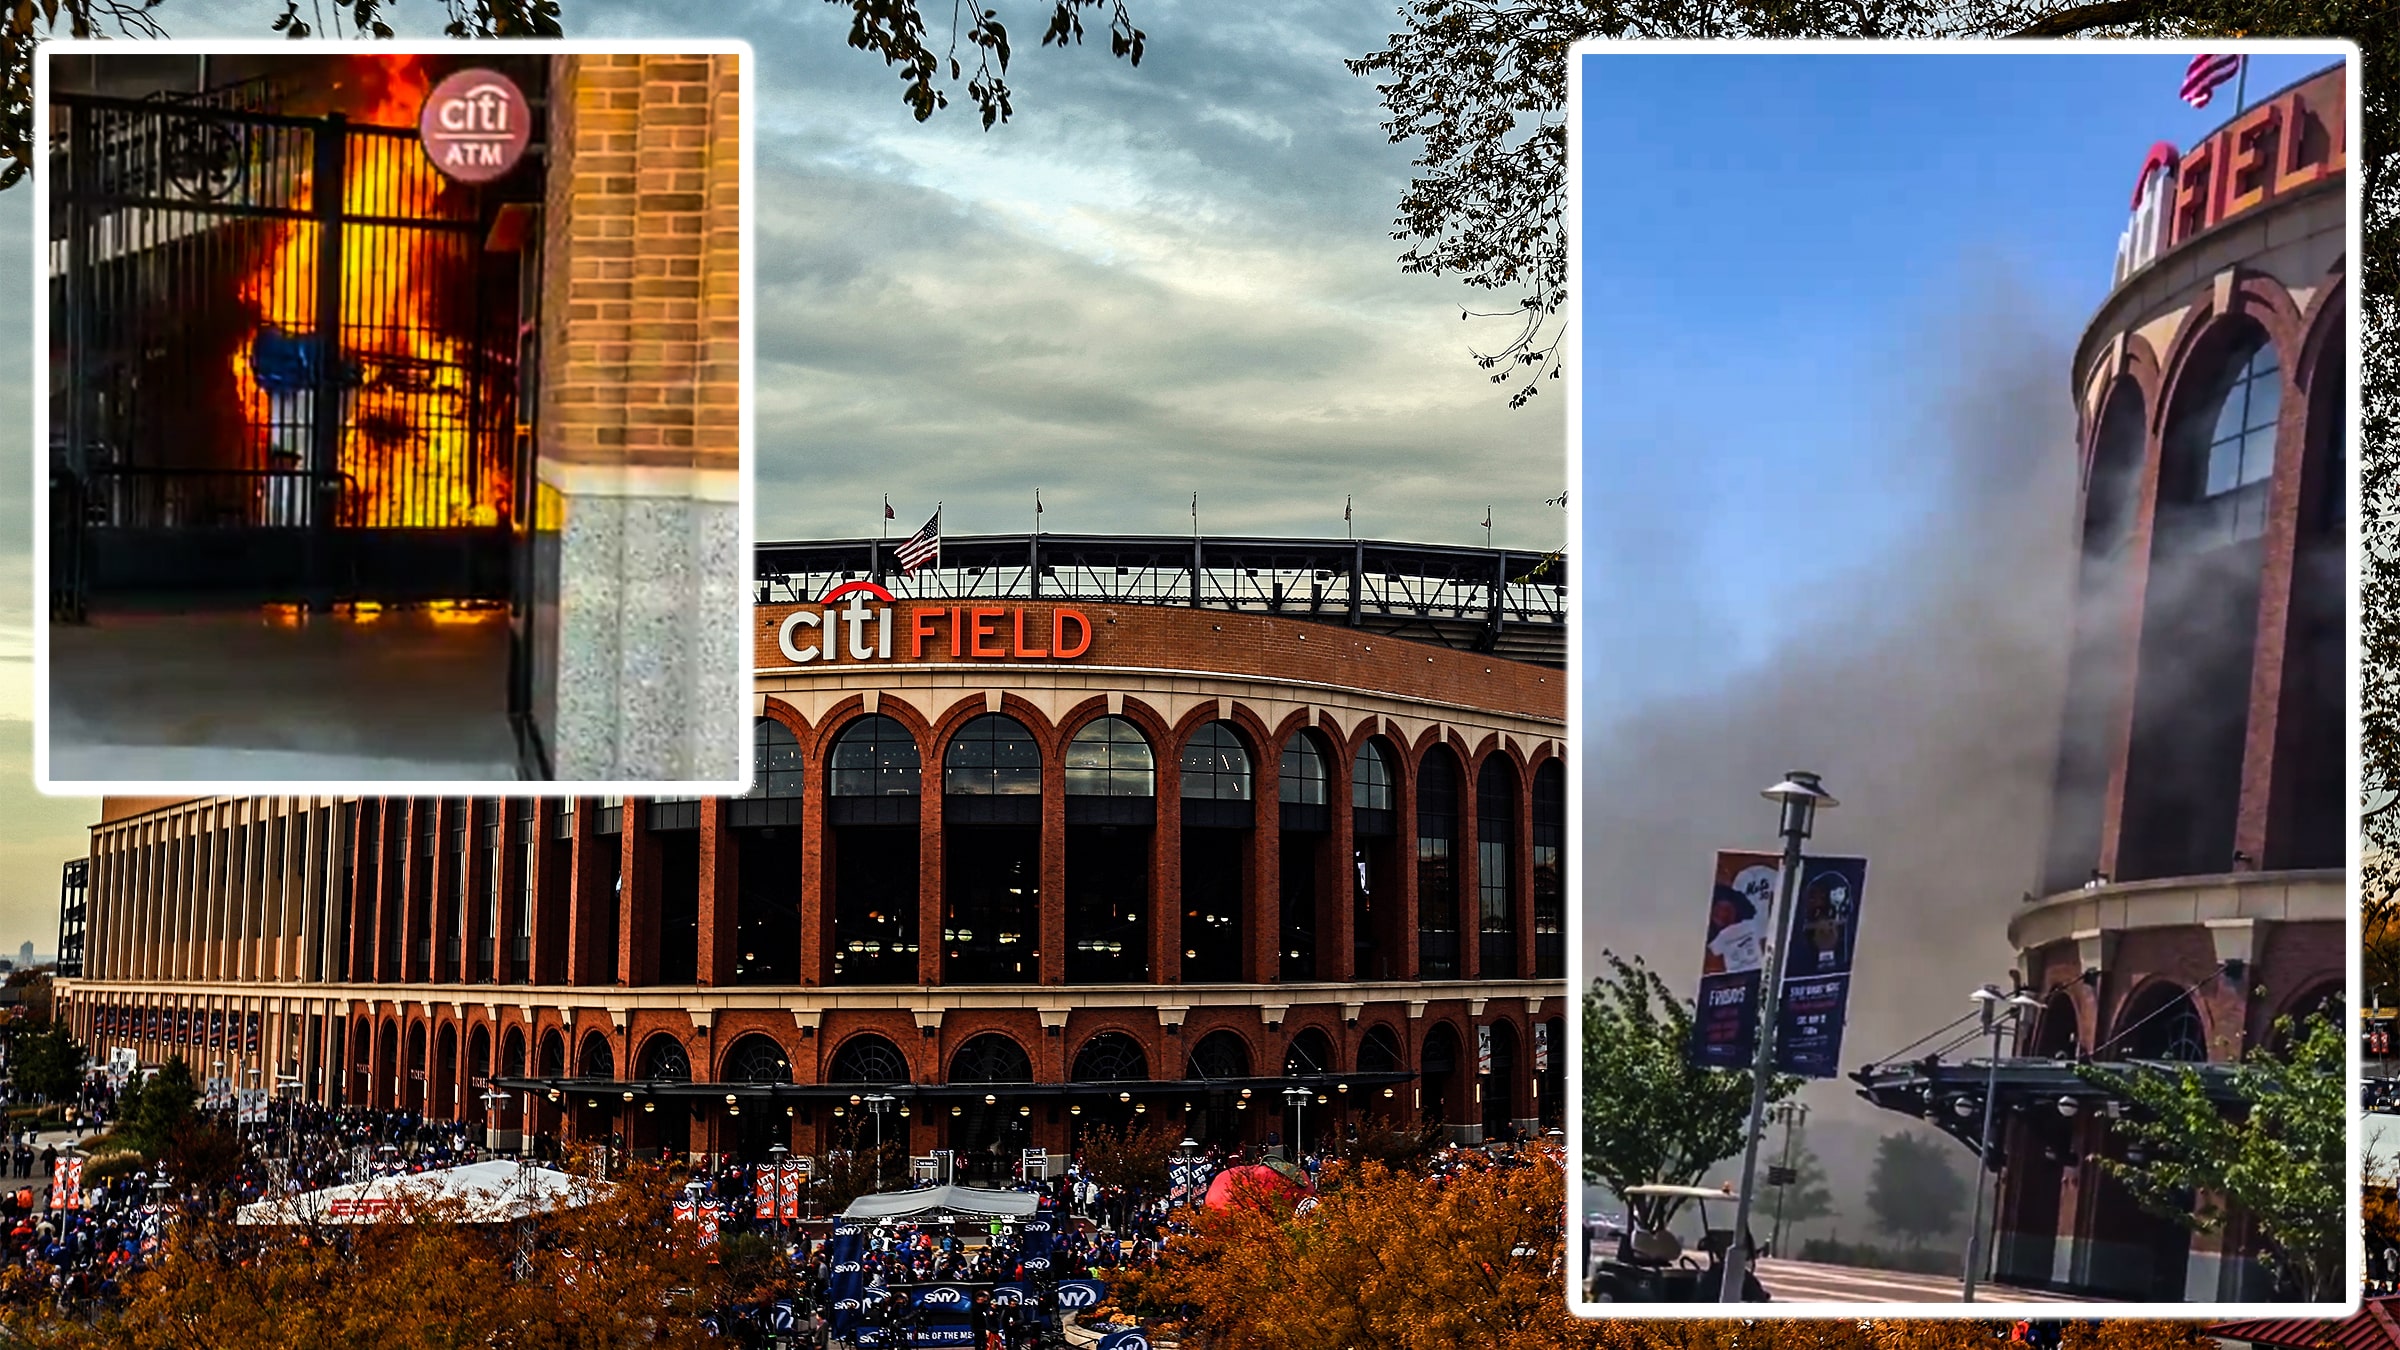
pixel 2204 74
pixel 922 547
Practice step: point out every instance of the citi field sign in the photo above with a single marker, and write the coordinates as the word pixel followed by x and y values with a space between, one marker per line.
pixel 861 622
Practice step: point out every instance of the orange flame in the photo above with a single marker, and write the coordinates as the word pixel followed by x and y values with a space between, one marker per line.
pixel 408 408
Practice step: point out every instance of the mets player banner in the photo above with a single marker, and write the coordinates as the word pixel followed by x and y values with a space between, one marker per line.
pixel 1819 937
pixel 1725 1015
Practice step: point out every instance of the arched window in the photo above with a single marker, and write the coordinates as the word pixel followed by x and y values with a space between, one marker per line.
pixel 757 1059
pixel 1371 776
pixel 1216 765
pixel 1379 1051
pixel 2223 438
pixel 1309 1053
pixel 1549 872
pixel 664 1060
pixel 1220 1055
pixel 1110 757
pixel 777 772
pixel 1437 866
pixel 2055 1034
pixel 597 1060
pixel 991 1058
pixel 1306 779
pixel 875 757
pixel 512 1054
pixel 992 756
pixel 2161 1022
pixel 554 1055
pixel 867 1058
pixel 1111 1057
pixel 776 778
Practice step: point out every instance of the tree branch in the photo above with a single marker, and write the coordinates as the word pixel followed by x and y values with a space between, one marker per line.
pixel 2084 18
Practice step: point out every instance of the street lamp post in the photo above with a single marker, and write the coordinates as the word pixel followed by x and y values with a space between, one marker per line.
pixel 1800 794
pixel 1792 1115
pixel 876 1102
pixel 2000 1013
pixel 1296 1097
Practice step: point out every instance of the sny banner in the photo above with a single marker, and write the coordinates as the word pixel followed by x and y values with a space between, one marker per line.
pixel 1725 1016
pixel 1820 937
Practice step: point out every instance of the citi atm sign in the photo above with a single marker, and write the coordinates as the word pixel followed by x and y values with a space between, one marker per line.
pixel 862 622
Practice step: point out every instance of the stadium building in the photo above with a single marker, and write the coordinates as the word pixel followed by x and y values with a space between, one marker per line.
pixel 2194 889
pixel 1245 836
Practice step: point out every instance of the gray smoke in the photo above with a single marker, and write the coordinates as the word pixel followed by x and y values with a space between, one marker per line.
pixel 1927 688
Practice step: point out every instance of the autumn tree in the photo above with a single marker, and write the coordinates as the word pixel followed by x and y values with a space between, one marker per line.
pixel 1479 88
pixel 1914 1191
pixel 974 50
pixel 2278 1152
pixel 616 1272
pixel 1650 1115
pixel 46 1064
pixel 1130 1157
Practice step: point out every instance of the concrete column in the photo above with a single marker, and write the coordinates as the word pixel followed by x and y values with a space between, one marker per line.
pixel 720 916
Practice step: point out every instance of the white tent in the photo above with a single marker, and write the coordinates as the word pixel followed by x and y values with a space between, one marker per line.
pixel 485 1192
pixel 944 1200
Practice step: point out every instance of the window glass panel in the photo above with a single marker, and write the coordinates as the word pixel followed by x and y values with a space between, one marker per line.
pixel 1110 758
pixel 875 757
pixel 1216 766
pixel 1303 779
pixel 1371 779
pixel 994 755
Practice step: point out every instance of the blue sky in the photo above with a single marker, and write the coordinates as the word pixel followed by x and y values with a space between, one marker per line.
pixel 1777 255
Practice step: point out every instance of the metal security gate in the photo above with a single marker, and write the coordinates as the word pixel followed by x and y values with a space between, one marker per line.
pixel 282 362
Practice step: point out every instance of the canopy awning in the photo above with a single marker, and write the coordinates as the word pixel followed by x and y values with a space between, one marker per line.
pixel 944 1200
pixel 1949 1094
pixel 485 1192
pixel 1334 1087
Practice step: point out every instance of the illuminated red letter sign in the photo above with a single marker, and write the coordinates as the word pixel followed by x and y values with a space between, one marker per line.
pixel 475 125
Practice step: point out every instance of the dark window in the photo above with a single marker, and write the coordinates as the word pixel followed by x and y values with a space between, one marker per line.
pixel 875 757
pixel 757 1059
pixel 1220 1055
pixel 1549 875
pixel 1371 778
pixel 1437 867
pixel 992 756
pixel 1110 1057
pixel 1495 871
pixel 1216 766
pixel 1111 758
pixel 867 1058
pixel 1305 779
pixel 991 1058
pixel 2223 442
pixel 664 1060
pixel 597 1061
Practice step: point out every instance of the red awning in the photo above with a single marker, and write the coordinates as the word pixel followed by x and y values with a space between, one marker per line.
pixel 2373 1328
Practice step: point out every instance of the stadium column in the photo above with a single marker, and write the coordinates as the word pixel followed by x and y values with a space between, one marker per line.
pixel 931 864
pixel 1166 870
pixel 1520 890
pixel 815 895
pixel 539 956
pixel 2136 569
pixel 640 435
pixel 513 898
pixel 1404 854
pixel 2262 822
pixel 1337 943
pixel 1051 925
pixel 587 892
pixel 1263 963
pixel 423 870
pixel 720 918
pixel 638 932
pixel 1466 871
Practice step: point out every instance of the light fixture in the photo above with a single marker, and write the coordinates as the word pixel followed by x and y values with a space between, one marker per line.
pixel 734 1110
pixel 837 1110
pixel 730 1100
pixel 1245 1094
pixel 1801 794
pixel 791 1111
pixel 592 1102
pixel 1140 1107
pixel 629 1094
pixel 1024 1110
pixel 956 1110
pixel 1242 1105
pixel 855 1099
pixel 1341 1087
pixel 904 1108
pixel 554 1094
pixel 1124 1096
pixel 648 1107
pixel 2067 1106
pixel 1387 1092
pixel 1075 1110
pixel 990 1100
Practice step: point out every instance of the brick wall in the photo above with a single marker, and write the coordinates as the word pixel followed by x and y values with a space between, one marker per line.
pixel 642 281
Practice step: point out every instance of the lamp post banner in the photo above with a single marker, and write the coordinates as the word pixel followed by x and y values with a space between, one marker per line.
pixel 1725 1015
pixel 1818 945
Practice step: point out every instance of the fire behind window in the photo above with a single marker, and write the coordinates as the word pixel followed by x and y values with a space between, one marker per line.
pixel 283 341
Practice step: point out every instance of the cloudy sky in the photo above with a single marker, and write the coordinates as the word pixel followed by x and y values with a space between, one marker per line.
pixel 1149 283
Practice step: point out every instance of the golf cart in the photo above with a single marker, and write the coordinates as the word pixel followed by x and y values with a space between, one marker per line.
pixel 1651 1264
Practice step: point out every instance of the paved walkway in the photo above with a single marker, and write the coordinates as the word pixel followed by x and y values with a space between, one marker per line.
pixel 1810 1282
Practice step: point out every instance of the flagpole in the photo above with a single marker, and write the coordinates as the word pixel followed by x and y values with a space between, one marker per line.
pixel 1349 527
pixel 2241 82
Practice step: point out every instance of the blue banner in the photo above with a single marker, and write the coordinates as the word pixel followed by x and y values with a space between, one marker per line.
pixel 948 1297
pixel 1076 1295
pixel 1820 938
pixel 1015 1292
pixel 1725 1013
pixel 1129 1339
pixel 943 1331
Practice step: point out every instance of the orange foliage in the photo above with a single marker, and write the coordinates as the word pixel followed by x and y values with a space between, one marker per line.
pixel 596 1277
